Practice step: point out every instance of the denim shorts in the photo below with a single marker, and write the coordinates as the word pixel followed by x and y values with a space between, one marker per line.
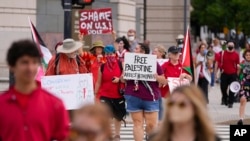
pixel 135 104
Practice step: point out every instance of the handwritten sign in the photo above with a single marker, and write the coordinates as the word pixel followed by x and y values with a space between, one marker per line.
pixel 174 82
pixel 97 21
pixel 74 90
pixel 139 66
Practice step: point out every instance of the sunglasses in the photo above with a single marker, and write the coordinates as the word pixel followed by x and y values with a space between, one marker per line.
pixel 181 105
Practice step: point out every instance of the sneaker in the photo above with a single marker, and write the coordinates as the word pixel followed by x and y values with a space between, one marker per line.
pixel 240 122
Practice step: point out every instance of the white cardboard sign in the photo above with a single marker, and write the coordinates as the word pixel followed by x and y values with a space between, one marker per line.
pixel 140 66
pixel 74 90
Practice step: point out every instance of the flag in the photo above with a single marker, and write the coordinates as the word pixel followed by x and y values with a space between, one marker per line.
pixel 187 60
pixel 46 55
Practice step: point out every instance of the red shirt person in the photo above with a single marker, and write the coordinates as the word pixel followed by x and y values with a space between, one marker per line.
pixel 173 68
pixel 229 61
pixel 67 60
pixel 27 111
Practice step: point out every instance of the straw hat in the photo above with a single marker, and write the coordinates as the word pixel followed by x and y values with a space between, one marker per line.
pixel 98 43
pixel 69 46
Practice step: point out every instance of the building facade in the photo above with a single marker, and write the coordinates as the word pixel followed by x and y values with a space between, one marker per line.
pixel 164 21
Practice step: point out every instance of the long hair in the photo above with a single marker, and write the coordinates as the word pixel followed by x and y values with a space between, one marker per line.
pixel 204 127
pixel 125 41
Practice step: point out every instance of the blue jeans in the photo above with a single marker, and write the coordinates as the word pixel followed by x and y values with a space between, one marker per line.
pixel 135 104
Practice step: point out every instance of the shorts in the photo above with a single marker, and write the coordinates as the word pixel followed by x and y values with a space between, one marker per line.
pixel 135 104
pixel 116 105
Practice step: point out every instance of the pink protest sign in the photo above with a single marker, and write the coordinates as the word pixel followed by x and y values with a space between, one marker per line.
pixel 95 21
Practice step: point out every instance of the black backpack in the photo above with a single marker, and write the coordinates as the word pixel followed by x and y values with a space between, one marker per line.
pixel 57 61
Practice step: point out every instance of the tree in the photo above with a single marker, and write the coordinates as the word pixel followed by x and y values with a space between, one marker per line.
pixel 217 14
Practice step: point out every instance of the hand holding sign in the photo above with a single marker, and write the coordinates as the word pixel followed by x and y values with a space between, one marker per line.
pixel 174 82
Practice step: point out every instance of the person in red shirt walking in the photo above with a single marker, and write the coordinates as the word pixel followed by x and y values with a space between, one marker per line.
pixel 28 112
pixel 173 68
pixel 229 61
pixel 108 87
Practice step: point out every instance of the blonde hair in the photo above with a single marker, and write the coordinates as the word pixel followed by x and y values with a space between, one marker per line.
pixel 162 50
pixel 204 126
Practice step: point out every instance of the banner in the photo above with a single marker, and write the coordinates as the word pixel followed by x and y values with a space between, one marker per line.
pixel 174 82
pixel 74 90
pixel 140 67
pixel 98 21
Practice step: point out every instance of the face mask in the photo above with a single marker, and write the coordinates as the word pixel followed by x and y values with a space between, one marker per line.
pixel 179 42
pixel 111 59
pixel 230 47
pixel 131 38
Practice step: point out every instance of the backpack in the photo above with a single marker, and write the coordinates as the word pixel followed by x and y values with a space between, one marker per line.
pixel 57 61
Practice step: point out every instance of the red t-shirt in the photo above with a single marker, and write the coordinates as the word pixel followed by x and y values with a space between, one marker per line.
pixel 38 116
pixel 108 88
pixel 229 62
pixel 170 70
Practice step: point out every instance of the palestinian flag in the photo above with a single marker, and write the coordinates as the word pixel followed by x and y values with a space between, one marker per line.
pixel 187 60
pixel 46 55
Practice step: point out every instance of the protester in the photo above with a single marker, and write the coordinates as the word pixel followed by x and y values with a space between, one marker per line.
pixel 95 59
pixel 229 60
pixel 211 55
pixel 108 88
pixel 203 65
pixel 27 111
pixel 247 47
pixel 160 53
pixel 142 99
pixel 245 85
pixel 180 41
pixel 91 123
pixel 186 117
pixel 173 68
pixel 123 47
pixel 132 39
pixel 216 45
pixel 67 60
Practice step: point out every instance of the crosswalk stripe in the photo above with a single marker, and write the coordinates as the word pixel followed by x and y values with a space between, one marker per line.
pixel 221 130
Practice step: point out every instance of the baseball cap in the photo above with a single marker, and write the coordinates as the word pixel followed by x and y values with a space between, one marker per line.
pixel 173 49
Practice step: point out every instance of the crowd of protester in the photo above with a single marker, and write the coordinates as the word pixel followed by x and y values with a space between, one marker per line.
pixel 28 112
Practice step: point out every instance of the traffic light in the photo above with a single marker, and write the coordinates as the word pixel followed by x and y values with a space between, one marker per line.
pixel 85 2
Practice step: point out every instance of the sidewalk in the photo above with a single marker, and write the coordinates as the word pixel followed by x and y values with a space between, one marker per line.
pixel 221 114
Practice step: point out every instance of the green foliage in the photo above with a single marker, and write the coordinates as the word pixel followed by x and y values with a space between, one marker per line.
pixel 222 13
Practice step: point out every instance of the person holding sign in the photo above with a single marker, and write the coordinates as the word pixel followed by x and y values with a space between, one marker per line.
pixel 203 65
pixel 28 112
pixel 67 60
pixel 143 98
pixel 173 68
pixel 108 87
pixel 123 47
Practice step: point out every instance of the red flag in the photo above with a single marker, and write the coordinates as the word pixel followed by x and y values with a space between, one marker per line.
pixel 187 60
